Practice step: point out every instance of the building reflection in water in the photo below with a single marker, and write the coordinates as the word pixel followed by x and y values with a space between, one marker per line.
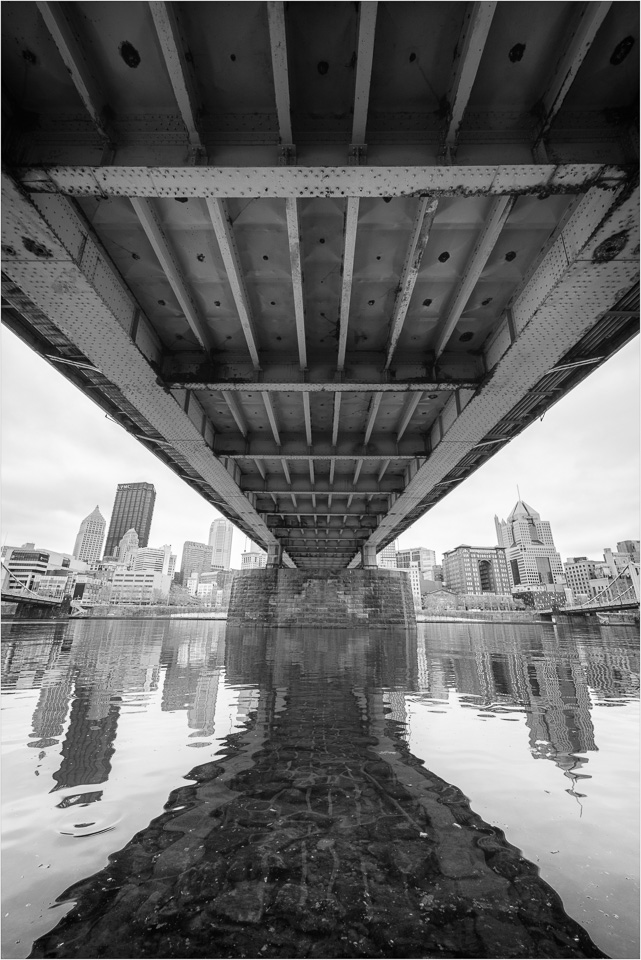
pixel 547 671
pixel 84 670
pixel 90 674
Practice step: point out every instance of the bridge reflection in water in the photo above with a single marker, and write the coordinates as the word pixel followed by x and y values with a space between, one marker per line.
pixel 313 831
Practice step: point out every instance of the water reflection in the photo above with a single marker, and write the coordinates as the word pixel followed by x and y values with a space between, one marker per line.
pixel 317 745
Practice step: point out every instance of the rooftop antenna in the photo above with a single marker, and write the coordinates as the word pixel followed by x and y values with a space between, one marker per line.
pixel 518 491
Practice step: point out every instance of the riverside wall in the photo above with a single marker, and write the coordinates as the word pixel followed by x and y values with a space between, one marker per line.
pixel 284 597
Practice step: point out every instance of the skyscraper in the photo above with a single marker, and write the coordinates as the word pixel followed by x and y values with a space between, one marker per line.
pixel 91 536
pixel 220 537
pixel 196 559
pixel 133 508
pixel 534 563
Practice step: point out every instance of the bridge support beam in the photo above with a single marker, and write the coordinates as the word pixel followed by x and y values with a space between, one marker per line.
pixel 274 556
pixel 368 557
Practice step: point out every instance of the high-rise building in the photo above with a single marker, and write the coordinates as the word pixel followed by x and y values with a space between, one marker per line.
pixel 419 557
pixel 196 559
pixel 579 571
pixel 387 556
pixel 220 538
pixel 158 559
pixel 127 548
pixel 476 570
pixel 91 536
pixel 535 566
pixel 133 508
pixel 631 547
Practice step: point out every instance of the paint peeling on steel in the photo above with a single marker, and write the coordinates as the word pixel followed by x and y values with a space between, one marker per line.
pixel 300 181
pixel 278 44
pixel 420 235
pixel 180 73
pixel 293 233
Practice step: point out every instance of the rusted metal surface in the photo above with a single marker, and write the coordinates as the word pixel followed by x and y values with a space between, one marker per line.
pixel 238 227
pixel 301 182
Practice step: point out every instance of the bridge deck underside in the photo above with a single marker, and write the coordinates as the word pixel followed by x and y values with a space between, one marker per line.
pixel 323 259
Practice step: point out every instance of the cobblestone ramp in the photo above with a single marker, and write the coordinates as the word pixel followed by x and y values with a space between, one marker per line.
pixel 317 835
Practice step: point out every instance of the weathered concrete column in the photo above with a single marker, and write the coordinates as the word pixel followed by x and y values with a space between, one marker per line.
pixel 274 555
pixel 368 556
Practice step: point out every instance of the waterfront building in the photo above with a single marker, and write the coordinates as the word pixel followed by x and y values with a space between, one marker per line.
pixel 158 559
pixel 22 566
pixel 133 508
pixel 387 557
pixel 617 561
pixel 579 571
pixel 533 561
pixel 139 586
pixel 196 558
pixel 253 559
pixel 221 534
pixel 631 547
pixel 414 574
pixel 127 548
pixel 476 570
pixel 90 538
pixel 419 557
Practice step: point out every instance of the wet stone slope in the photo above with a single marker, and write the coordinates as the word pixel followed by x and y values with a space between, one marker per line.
pixel 317 835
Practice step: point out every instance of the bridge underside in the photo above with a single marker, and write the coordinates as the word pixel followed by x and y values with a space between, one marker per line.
pixel 324 259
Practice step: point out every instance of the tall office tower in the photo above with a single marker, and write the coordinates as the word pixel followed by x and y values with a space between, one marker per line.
pixel 91 537
pixel 220 537
pixel 157 559
pixel 534 563
pixel 127 548
pixel 196 559
pixel 133 508
pixel 419 557
pixel 387 556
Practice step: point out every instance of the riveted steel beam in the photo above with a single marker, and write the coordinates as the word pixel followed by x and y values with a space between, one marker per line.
pixel 278 44
pixel 364 56
pixel 340 488
pixel 349 250
pixel 371 415
pixel 469 50
pixel 236 411
pixel 294 445
pixel 253 454
pixel 410 408
pixel 572 56
pixel 179 68
pixel 229 253
pixel 420 235
pixel 167 259
pixel 307 413
pixel 305 387
pixel 298 181
pixel 293 233
pixel 66 39
pixel 492 227
pixel 75 285
pixel 336 419
pixel 271 416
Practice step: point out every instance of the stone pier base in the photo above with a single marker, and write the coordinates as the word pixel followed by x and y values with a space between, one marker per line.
pixel 293 597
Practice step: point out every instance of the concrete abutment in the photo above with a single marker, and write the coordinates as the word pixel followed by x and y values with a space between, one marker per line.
pixel 284 597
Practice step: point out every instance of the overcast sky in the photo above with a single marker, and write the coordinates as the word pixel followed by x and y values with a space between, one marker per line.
pixel 579 468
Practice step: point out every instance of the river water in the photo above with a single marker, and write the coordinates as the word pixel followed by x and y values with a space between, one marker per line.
pixel 536 725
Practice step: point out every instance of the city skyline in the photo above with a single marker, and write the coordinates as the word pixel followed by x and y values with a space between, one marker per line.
pixel 580 465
